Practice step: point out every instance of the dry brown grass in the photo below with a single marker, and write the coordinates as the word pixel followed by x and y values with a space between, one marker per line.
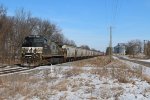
pixel 96 62
pixel 117 91
pixel 61 86
pixel 108 92
pixel 73 72
pixel 92 98
pixel 146 77
pixel 117 70
pixel 40 91
pixel 29 86
pixel 11 85
pixel 75 84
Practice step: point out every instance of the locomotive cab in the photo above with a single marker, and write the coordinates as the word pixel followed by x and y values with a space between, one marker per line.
pixel 32 49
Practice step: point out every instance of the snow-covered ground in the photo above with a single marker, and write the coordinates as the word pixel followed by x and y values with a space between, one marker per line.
pixel 116 81
pixel 147 60
pixel 126 57
pixel 144 70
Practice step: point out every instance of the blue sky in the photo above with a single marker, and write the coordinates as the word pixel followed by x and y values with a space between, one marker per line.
pixel 88 21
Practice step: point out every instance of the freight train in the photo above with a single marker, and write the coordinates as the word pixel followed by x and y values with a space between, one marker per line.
pixel 37 50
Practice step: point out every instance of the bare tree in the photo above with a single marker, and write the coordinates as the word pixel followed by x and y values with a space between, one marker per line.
pixel 72 43
pixel 14 29
pixel 85 47
pixel 21 29
pixel 134 47
pixel 69 42
pixel 32 25
pixel 58 38
pixel 3 32
pixel 45 28
pixel 147 48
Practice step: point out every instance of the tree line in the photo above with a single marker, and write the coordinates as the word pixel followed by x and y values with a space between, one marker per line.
pixel 13 30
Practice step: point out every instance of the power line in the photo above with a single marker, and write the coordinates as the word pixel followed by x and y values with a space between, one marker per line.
pixel 111 11
pixel 115 6
pixel 110 44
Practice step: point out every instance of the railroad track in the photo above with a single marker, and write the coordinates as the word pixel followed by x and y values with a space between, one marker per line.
pixel 16 68
pixel 13 69
pixel 147 64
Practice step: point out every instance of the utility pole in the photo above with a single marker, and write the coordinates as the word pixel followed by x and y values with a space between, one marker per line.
pixel 144 48
pixel 110 44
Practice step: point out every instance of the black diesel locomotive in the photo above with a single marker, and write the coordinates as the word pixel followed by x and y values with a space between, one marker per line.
pixel 37 50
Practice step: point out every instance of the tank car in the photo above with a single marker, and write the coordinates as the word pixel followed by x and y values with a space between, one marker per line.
pixel 37 50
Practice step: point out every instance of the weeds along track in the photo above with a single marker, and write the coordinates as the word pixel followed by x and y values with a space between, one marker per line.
pixel 99 61
pixel 14 69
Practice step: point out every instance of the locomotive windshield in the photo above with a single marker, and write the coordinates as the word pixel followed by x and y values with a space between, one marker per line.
pixel 33 42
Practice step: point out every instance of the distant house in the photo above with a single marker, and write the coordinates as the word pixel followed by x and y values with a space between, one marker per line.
pixel 120 49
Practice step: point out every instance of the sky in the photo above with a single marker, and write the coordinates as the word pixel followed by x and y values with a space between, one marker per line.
pixel 88 21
